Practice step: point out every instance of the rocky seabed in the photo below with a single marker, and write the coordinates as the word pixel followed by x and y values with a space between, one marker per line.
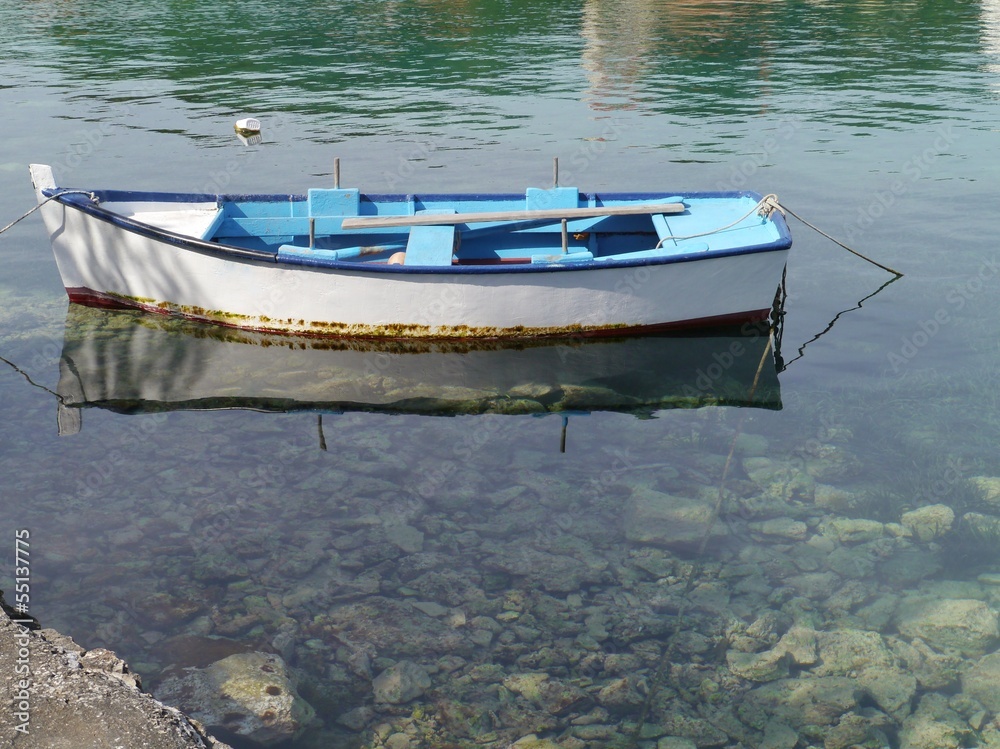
pixel 656 610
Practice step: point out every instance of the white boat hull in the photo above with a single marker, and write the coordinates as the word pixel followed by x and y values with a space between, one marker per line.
pixel 103 262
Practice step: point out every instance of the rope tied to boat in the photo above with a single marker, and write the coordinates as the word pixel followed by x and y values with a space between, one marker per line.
pixel 764 208
pixel 769 205
pixel 93 198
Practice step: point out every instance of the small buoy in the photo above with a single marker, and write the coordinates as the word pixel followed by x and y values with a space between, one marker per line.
pixel 247 126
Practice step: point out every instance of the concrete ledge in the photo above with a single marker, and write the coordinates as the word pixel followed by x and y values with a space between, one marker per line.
pixel 57 695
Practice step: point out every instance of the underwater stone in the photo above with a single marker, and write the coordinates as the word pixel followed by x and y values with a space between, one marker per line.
pixel 933 725
pixel 778 480
pixel 969 626
pixel 845 651
pixel 552 695
pixel 675 742
pixel 406 537
pixel 862 729
pixel 990 488
pixel 814 585
pixel 770 665
pixel 795 530
pixel 557 573
pixel 933 670
pixel 817 701
pixel 702 732
pixel 929 522
pixel 249 694
pixel 987 526
pixel 835 499
pixel 852 530
pixel 652 517
pixel 531 741
pixel 777 735
pixel 401 683
pixel 982 682
pixel 619 695
pixel 392 628
pixel 892 689
pixel 800 644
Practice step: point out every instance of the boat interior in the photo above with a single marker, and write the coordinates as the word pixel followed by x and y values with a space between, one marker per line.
pixel 518 229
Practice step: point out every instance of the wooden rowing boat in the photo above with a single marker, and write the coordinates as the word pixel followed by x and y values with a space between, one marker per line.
pixel 336 262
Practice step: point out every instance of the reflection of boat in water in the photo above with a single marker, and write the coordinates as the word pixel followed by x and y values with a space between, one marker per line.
pixel 134 363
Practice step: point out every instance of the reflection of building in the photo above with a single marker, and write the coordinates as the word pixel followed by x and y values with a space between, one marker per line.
pixel 628 44
pixel 619 38
pixel 990 39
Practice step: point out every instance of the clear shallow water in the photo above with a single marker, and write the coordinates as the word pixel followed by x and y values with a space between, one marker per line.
pixel 155 531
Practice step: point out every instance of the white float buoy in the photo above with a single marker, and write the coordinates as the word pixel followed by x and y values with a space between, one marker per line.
pixel 247 126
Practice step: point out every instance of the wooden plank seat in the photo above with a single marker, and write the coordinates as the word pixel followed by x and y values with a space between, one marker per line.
pixel 432 245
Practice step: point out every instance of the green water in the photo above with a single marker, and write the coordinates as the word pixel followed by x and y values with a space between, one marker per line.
pixel 550 601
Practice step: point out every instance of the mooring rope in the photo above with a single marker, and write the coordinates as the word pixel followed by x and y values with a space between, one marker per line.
pixel 93 197
pixel 764 208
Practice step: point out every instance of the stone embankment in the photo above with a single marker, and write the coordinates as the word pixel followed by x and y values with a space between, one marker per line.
pixel 57 695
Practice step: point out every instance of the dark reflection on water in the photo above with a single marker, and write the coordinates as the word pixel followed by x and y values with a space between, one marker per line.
pixel 132 363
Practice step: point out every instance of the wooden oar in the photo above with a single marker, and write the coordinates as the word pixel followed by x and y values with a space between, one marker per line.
pixel 553 214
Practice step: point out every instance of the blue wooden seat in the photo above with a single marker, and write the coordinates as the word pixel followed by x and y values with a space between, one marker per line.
pixel 431 245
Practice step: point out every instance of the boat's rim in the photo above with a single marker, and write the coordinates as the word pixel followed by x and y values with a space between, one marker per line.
pixel 75 198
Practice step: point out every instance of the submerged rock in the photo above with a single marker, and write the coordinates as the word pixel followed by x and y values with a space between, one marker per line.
pixel 990 488
pixel 782 481
pixel 401 683
pixel 794 530
pixel 248 694
pixel 969 626
pixel 652 517
pixel 929 522
pixel 982 682
pixel 852 530
pixel 770 665
pixel 552 695
pixel 934 725
pixel 817 701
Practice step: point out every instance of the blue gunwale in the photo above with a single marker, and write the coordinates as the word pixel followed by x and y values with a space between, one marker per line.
pixel 243 254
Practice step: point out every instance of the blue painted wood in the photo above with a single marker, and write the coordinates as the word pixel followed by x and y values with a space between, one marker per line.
pixel 580 256
pixel 430 245
pixel 220 217
pixel 334 202
pixel 662 229
pixel 288 253
pixel 286 227
pixel 537 199
pixel 254 225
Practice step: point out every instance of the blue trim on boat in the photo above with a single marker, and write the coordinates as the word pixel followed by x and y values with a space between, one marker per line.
pixel 82 203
